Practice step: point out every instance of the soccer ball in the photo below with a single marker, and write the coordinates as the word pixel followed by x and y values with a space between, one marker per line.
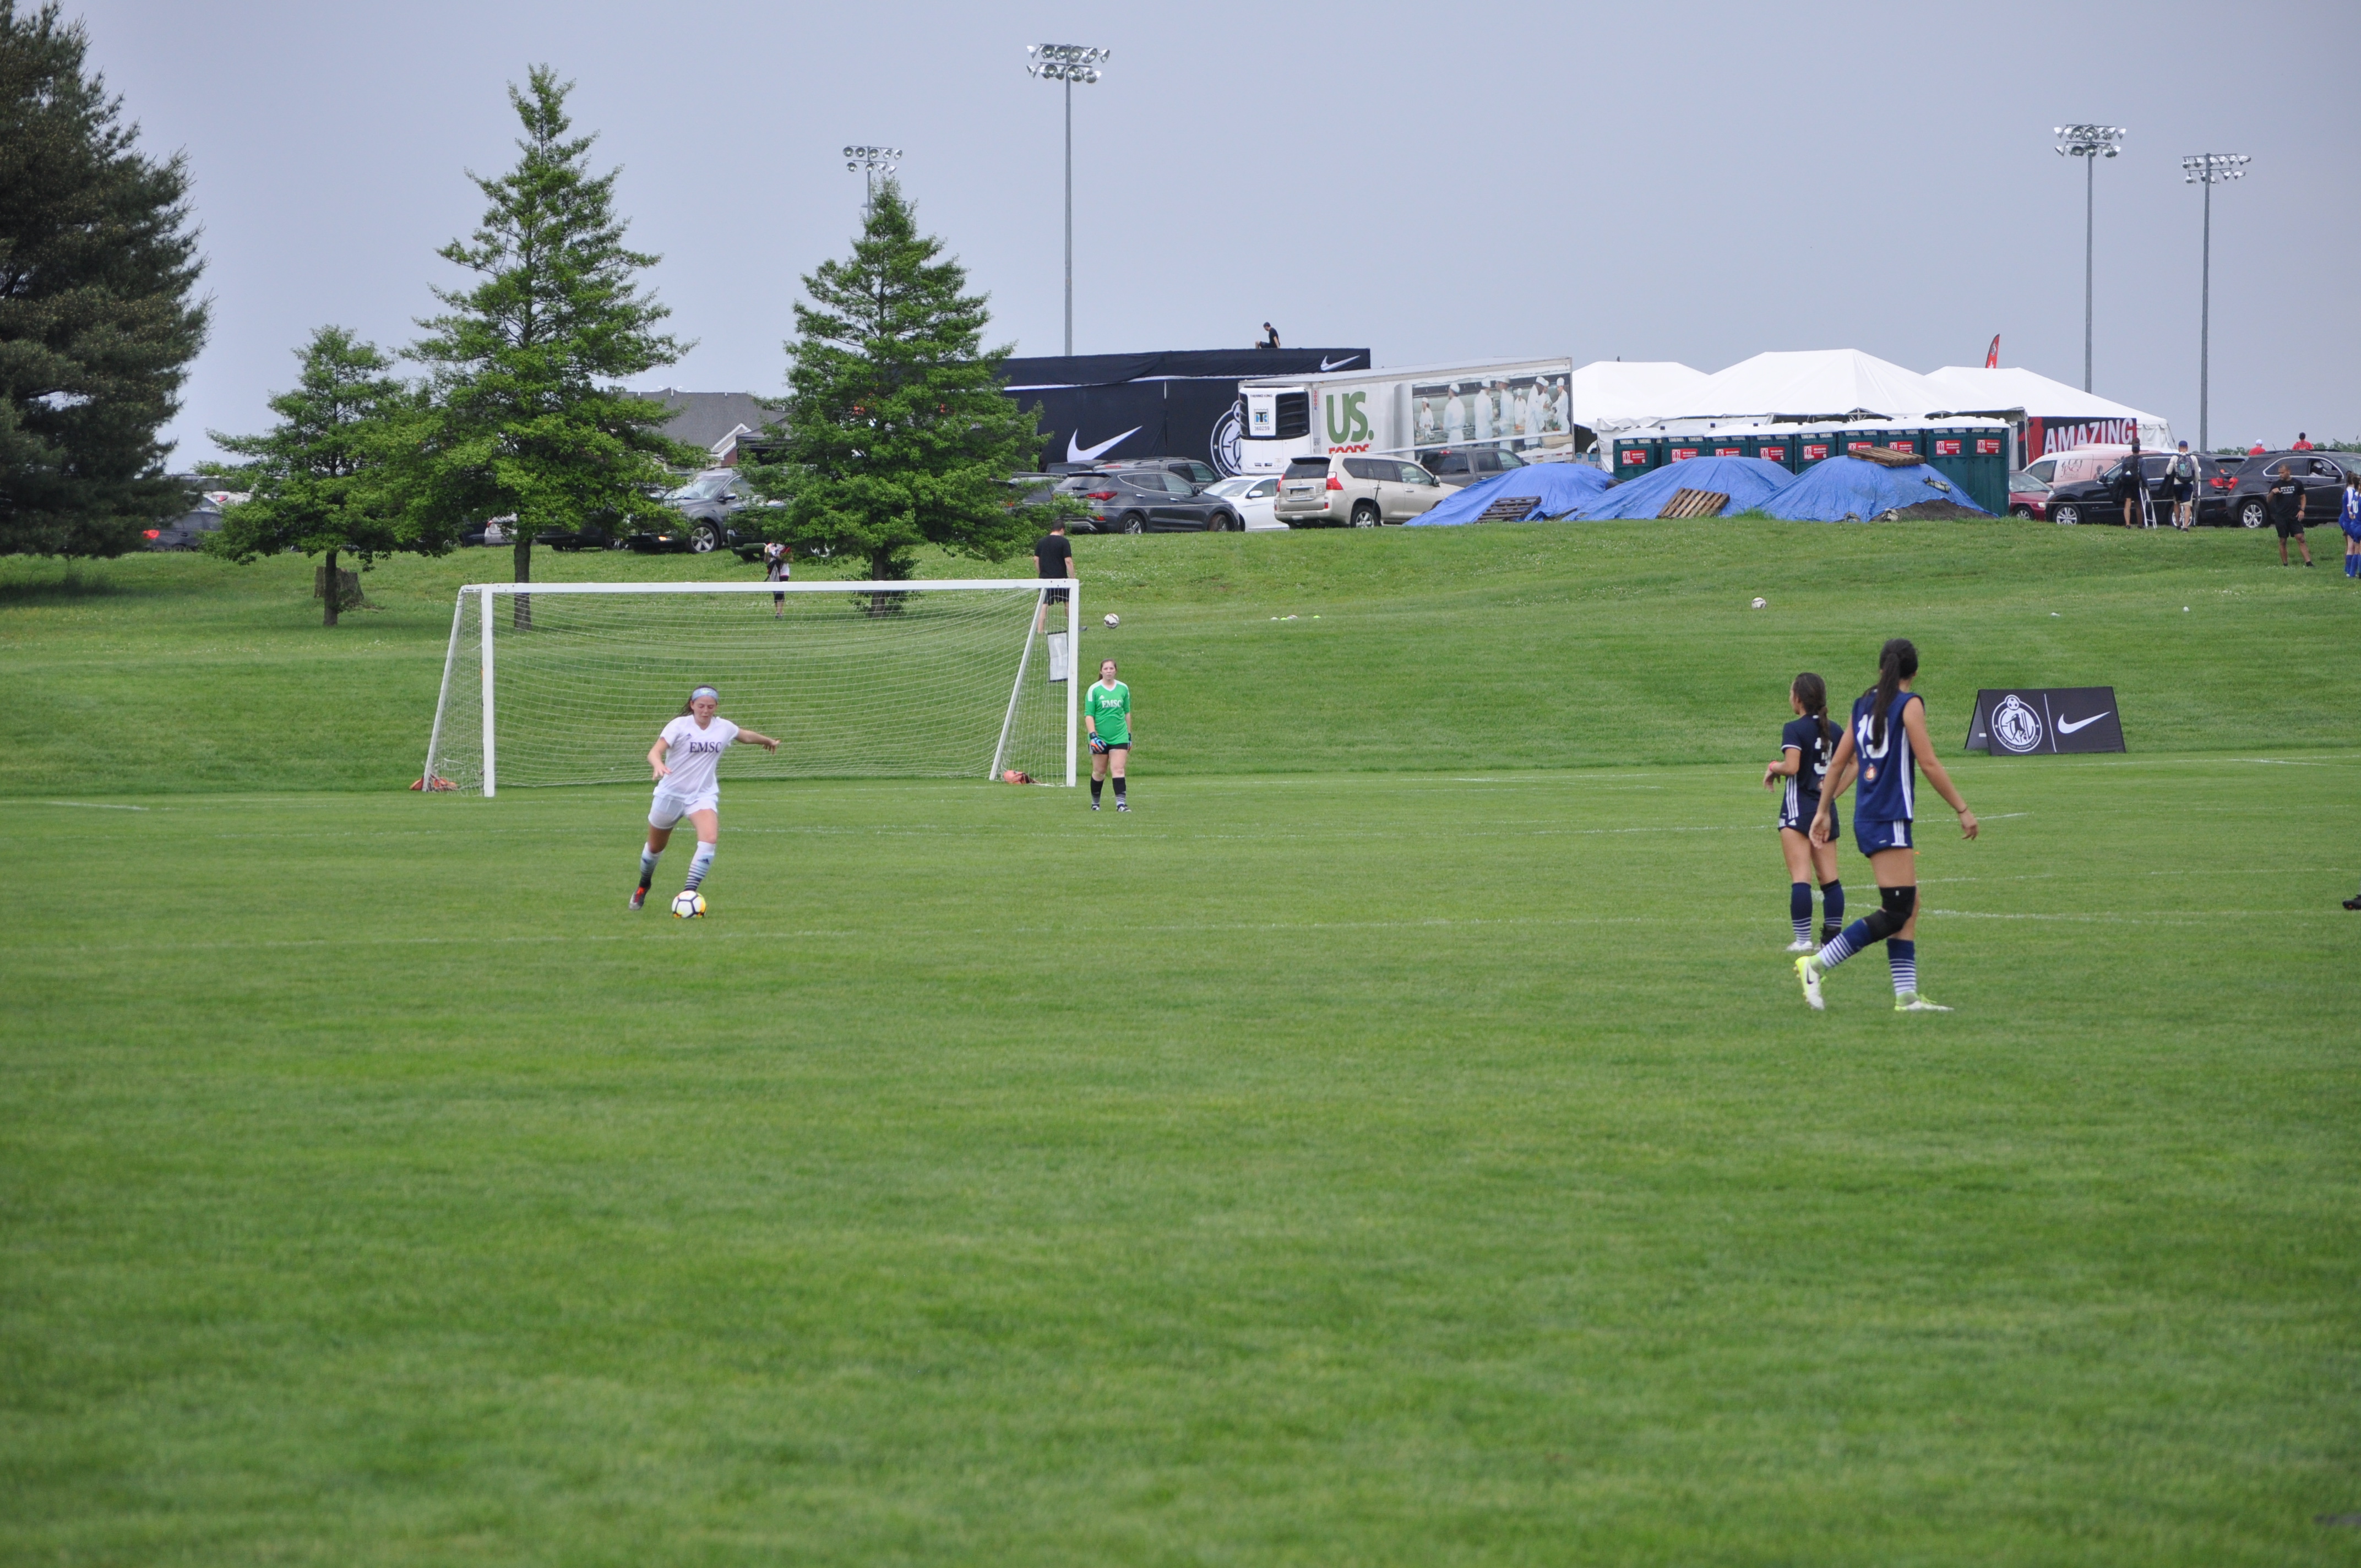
pixel 1114 620
pixel 1761 602
pixel 689 906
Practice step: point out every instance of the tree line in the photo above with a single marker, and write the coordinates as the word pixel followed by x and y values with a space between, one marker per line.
pixel 894 433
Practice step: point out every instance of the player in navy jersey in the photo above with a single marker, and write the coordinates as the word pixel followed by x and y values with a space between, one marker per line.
pixel 1806 746
pixel 1887 742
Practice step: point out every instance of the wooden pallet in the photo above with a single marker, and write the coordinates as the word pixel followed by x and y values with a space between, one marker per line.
pixel 1516 508
pixel 1695 503
pixel 1888 458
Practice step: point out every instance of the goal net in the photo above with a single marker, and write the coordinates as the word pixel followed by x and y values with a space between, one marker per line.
pixel 568 683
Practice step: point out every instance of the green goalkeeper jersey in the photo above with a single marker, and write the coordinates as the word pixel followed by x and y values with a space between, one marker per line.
pixel 1110 710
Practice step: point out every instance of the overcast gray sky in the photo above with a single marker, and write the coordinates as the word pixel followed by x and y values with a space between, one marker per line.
pixel 1696 182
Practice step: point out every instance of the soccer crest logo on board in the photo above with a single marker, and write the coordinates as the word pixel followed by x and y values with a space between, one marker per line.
pixel 2014 724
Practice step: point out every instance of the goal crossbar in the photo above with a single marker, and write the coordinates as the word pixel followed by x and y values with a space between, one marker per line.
pixel 615 640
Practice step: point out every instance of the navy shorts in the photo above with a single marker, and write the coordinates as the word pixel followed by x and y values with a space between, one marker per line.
pixel 1874 836
pixel 1054 596
pixel 1800 819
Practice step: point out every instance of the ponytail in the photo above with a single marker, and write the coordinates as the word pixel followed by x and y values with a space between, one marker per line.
pixel 1812 697
pixel 1897 663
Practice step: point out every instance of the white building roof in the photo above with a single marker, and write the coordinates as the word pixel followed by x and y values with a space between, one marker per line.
pixel 1973 388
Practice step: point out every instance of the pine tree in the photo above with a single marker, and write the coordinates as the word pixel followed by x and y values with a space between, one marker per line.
pixel 319 480
pixel 98 263
pixel 527 364
pixel 896 432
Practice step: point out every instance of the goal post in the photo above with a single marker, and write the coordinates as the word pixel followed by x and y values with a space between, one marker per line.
pixel 910 679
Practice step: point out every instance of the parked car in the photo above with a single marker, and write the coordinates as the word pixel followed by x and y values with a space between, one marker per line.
pixel 1151 500
pixel 1332 491
pixel 697 536
pixel 1454 466
pixel 2100 497
pixel 711 497
pixel 1255 496
pixel 2322 474
pixel 2027 497
pixel 188 530
pixel 1189 468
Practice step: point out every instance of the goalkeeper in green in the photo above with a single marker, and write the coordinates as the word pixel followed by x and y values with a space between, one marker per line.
pixel 1107 710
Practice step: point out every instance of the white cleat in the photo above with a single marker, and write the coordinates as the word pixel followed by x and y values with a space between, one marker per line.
pixel 1807 969
pixel 1803 945
pixel 1911 1001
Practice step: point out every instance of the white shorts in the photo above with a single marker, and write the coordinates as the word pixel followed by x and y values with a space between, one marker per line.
pixel 668 808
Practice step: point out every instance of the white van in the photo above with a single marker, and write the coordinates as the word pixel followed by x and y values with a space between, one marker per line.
pixel 2074 466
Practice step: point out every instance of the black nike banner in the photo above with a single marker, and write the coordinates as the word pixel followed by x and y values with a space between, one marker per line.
pixel 2021 721
pixel 1184 403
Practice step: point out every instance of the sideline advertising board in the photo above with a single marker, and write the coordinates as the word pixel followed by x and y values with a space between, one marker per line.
pixel 2023 721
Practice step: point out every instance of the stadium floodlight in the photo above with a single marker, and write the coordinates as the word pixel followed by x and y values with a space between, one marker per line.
pixel 1067 63
pixel 984 687
pixel 870 162
pixel 2209 170
pixel 2088 143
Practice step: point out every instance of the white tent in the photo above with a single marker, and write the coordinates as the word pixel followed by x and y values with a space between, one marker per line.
pixel 1614 394
pixel 1813 384
pixel 2056 416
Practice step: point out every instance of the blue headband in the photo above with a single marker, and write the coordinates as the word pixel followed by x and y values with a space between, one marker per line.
pixel 705 691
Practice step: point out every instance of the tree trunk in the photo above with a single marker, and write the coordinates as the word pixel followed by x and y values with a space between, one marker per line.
pixel 336 590
pixel 524 575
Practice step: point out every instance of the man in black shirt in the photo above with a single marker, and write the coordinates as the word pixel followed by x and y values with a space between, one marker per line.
pixel 1053 557
pixel 2135 490
pixel 2286 496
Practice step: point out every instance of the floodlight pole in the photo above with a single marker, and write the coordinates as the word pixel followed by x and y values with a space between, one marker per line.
pixel 1067 64
pixel 869 161
pixel 2088 143
pixel 2209 170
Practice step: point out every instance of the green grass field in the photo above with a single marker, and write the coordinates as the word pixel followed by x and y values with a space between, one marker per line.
pixel 1399 1141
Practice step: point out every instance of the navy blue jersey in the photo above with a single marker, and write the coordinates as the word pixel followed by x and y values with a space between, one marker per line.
pixel 1812 753
pixel 1888 779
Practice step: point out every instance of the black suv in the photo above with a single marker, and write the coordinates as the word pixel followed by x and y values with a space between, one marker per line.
pixel 2101 499
pixel 2322 474
pixel 1149 500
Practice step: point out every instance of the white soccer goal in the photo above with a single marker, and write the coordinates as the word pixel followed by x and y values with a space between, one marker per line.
pixel 568 683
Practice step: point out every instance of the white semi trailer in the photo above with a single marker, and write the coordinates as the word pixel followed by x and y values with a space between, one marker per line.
pixel 1415 412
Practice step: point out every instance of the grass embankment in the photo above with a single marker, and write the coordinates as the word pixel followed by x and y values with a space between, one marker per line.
pixel 1546 645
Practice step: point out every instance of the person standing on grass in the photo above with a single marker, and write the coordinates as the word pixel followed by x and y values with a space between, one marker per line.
pixel 1053 559
pixel 1887 742
pixel 2285 497
pixel 2348 519
pixel 2181 475
pixel 684 758
pixel 1805 747
pixel 2135 488
pixel 1107 710
pixel 778 566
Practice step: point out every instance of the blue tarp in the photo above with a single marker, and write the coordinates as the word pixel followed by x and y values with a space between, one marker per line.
pixel 1854 488
pixel 1559 489
pixel 1748 482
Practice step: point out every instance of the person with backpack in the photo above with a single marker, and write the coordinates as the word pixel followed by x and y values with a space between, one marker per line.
pixel 2180 481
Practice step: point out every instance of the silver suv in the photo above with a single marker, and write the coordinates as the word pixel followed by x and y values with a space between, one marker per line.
pixel 1331 491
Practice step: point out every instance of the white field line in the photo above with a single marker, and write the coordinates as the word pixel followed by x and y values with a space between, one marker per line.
pixel 90 805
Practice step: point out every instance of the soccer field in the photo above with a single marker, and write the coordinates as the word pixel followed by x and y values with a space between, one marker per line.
pixel 1400 1140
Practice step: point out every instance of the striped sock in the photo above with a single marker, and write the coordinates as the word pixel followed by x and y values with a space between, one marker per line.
pixel 698 866
pixel 1799 909
pixel 648 867
pixel 1850 940
pixel 1904 956
pixel 1832 903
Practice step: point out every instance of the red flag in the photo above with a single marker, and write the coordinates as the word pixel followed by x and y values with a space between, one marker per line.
pixel 1992 355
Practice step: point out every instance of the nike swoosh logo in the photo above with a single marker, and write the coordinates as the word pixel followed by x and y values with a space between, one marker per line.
pixel 1092 454
pixel 2067 726
pixel 1327 364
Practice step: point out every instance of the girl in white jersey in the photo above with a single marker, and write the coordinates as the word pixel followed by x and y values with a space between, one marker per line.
pixel 1887 744
pixel 684 758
